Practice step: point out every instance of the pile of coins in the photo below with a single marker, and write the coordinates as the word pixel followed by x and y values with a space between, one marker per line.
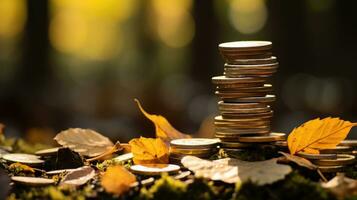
pixel 245 106
pixel 199 147
pixel 334 159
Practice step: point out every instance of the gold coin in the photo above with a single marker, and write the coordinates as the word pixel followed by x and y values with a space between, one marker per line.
pixel 233 95
pixel 221 119
pixel 350 143
pixel 258 61
pixel 225 106
pixel 238 85
pixel 247 115
pixel 317 156
pixel 272 137
pixel 337 149
pixel 222 80
pixel 267 99
pixel 242 125
pixel 283 144
pixel 154 169
pixel 194 143
pixel 60 171
pixel 28 159
pixel 342 159
pixel 258 89
pixel 32 181
pixel 269 66
pixel 48 152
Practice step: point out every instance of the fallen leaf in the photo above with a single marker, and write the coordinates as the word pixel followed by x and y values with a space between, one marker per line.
pixel 341 186
pixel 18 167
pixel 217 171
pixel 149 151
pixel 299 160
pixel 163 128
pixel 108 153
pixel 318 134
pixel 79 176
pixel 231 170
pixel 84 141
pixel 117 180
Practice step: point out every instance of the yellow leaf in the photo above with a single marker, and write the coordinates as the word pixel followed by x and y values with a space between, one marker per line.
pixel 117 180
pixel 149 151
pixel 318 134
pixel 163 128
pixel 18 167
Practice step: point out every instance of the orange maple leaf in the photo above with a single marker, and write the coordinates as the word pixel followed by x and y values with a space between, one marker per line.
pixel 149 151
pixel 117 180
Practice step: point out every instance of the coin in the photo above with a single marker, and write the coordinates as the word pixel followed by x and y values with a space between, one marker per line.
pixel 221 119
pixel 60 171
pixel 282 144
pixel 231 57
pixel 222 80
pixel 124 157
pixel 154 169
pixel 272 137
pixel 32 181
pixel 191 151
pixel 317 156
pixel 247 115
pixel 246 45
pixel 27 159
pixel 250 67
pixel 337 149
pixel 342 159
pixel 268 99
pixel 234 95
pixel 259 89
pixel 194 143
pixel 241 131
pixel 258 61
pixel 48 152
pixel 226 106
pixel 261 124
pixel 350 143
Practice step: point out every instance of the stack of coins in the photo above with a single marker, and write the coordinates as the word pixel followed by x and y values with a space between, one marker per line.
pixel 333 159
pixel 200 147
pixel 245 106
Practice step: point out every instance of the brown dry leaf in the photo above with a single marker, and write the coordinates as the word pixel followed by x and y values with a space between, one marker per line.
pixel 163 128
pixel 299 160
pixel 318 134
pixel 79 176
pixel 149 151
pixel 117 180
pixel 108 153
pixel 341 186
pixel 21 167
pixel 231 170
pixel 84 141
pixel 217 171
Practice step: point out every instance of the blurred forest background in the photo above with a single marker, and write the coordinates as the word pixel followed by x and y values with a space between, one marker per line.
pixel 80 63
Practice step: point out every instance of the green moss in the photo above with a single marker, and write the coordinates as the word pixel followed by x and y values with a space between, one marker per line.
pixel 163 189
pixel 294 186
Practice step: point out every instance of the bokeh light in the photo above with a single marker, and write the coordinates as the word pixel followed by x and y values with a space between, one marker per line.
pixel 89 29
pixel 248 16
pixel 13 17
pixel 173 23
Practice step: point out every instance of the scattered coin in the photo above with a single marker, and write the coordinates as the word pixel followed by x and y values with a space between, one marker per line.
pixel 124 157
pixel 350 143
pixel 28 159
pixel 154 169
pixel 194 143
pixel 32 181
pixel 342 159
pixel 317 156
pixel 60 171
pixel 337 150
